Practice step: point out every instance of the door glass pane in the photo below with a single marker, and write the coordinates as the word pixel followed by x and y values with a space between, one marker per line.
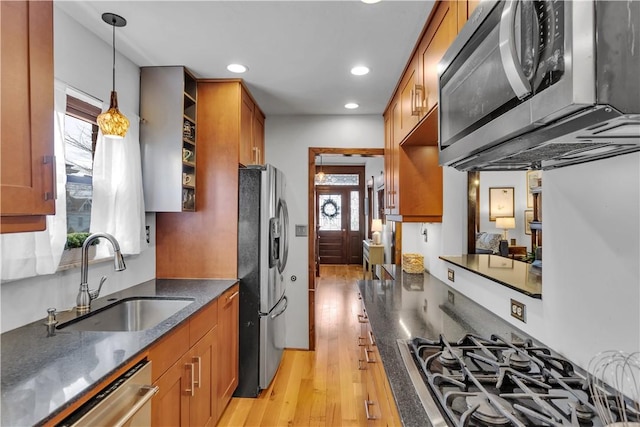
pixel 355 211
pixel 341 179
pixel 330 212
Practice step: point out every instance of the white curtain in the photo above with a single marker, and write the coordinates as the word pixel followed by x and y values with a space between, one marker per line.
pixel 118 202
pixel 37 253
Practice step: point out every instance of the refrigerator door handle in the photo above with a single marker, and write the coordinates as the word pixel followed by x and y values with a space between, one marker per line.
pixel 286 303
pixel 284 231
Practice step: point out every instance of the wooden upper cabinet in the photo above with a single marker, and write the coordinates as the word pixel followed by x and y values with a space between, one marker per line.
pixel 26 115
pixel 411 95
pixel 465 9
pixel 251 132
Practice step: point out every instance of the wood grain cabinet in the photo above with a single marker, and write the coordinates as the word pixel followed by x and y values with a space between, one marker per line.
pixel 413 185
pixel 228 318
pixel 26 115
pixel 168 101
pixel 379 406
pixel 251 150
pixel 186 368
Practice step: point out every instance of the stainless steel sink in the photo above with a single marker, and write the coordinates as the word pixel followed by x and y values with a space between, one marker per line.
pixel 131 314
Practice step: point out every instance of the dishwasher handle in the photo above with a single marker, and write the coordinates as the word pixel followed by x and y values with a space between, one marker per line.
pixel 148 392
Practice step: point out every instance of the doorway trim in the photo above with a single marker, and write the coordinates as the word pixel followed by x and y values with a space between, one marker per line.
pixel 311 273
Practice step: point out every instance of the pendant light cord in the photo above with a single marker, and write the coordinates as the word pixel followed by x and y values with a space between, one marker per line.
pixel 113 44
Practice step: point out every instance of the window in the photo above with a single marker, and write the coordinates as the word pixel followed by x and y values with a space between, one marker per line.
pixel 80 135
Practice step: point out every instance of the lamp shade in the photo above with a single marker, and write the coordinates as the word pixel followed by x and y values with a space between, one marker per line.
pixel 506 223
pixel 112 122
pixel 376 225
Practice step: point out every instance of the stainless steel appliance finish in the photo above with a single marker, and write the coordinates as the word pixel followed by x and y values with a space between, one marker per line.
pixel 489 381
pixel 126 402
pixel 262 257
pixel 541 84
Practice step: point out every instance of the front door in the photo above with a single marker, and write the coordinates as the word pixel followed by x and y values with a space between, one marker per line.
pixel 339 225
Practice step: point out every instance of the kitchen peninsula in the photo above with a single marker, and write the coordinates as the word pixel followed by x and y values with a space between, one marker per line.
pixel 517 275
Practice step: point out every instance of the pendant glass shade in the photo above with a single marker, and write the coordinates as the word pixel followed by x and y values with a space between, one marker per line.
pixel 112 122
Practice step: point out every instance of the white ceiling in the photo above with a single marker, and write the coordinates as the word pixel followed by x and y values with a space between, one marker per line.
pixel 299 53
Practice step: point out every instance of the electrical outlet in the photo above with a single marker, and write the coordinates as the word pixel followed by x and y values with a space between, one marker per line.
pixel 451 297
pixel 451 275
pixel 518 310
pixel 148 233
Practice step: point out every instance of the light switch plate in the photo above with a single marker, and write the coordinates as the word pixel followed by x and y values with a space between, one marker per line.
pixel 302 230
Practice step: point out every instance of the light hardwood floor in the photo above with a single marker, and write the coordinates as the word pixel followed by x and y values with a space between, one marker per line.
pixel 321 387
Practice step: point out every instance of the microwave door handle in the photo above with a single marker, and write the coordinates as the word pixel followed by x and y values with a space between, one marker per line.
pixel 508 54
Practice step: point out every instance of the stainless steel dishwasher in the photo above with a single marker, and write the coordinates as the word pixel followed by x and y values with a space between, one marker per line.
pixel 125 402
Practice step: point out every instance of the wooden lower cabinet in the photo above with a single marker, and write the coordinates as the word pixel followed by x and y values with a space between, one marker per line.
pixel 228 318
pixel 193 364
pixel 378 405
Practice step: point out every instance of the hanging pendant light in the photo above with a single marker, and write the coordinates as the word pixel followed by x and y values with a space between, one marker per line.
pixel 320 176
pixel 112 122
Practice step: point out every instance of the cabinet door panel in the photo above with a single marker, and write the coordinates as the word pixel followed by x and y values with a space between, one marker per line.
pixel 170 407
pixel 26 115
pixel 439 36
pixel 258 137
pixel 203 405
pixel 246 129
pixel 410 99
pixel 228 334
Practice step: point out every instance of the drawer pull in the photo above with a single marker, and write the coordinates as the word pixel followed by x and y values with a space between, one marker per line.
pixel 368 403
pixel 371 339
pixel 366 356
pixel 361 367
pixel 361 341
pixel 363 318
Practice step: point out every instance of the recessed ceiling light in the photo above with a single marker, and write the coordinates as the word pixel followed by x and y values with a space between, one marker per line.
pixel 351 105
pixel 360 70
pixel 237 68
pixel 370 1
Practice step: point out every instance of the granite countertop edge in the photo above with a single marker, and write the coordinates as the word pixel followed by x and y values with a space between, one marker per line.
pixel 42 374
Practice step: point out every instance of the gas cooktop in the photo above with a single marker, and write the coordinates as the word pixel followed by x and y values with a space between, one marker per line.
pixel 493 382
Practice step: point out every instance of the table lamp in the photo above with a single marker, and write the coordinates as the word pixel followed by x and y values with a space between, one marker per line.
pixel 376 228
pixel 506 223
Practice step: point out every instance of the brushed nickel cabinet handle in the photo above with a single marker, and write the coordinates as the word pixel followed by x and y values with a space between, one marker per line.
pixel 371 339
pixel 53 194
pixel 366 356
pixel 192 390
pixel 198 382
pixel 362 318
pixel 368 403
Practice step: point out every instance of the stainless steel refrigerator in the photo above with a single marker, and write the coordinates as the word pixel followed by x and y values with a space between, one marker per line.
pixel 262 257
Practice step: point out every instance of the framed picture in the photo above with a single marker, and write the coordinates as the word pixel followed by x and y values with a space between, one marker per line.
pixel 533 180
pixel 501 202
pixel 528 217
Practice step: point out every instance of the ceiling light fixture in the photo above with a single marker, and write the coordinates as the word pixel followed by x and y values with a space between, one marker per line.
pixel 351 106
pixel 112 122
pixel 320 176
pixel 237 68
pixel 360 70
pixel 370 1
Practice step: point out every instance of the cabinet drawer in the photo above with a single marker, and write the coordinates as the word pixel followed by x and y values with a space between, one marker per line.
pixel 203 321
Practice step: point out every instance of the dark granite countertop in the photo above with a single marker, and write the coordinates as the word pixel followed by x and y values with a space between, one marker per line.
pixel 41 374
pixel 420 305
pixel 517 275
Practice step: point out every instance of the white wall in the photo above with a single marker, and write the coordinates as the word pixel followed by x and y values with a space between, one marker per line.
pixel 591 258
pixel 287 139
pixel 82 61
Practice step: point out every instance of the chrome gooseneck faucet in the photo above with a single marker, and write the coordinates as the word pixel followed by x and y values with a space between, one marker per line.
pixel 85 296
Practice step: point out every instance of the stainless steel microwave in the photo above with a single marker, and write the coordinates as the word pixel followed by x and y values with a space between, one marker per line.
pixel 541 84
